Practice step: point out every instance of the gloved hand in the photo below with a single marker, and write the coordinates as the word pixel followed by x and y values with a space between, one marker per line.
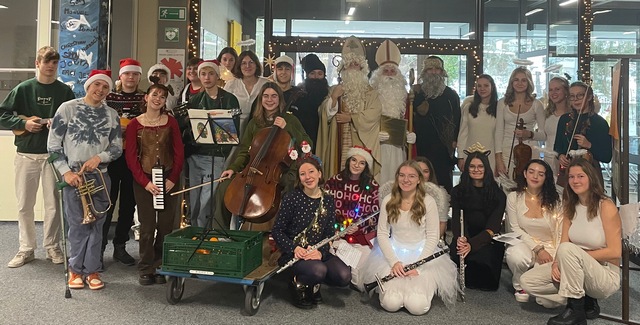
pixel 411 138
pixel 383 136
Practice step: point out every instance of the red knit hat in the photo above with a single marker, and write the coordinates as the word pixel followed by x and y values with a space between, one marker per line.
pixel 96 75
pixel 129 65
pixel 214 64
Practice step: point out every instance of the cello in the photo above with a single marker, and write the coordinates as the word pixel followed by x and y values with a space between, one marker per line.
pixel 254 193
pixel 521 154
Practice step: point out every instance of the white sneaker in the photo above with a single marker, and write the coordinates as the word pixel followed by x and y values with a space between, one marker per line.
pixel 136 232
pixel 55 255
pixel 521 296
pixel 21 259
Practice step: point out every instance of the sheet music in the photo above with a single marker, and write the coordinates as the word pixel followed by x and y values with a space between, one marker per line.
pixel 348 254
pixel 508 238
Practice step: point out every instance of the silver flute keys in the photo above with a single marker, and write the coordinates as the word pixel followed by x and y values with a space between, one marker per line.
pixel 462 265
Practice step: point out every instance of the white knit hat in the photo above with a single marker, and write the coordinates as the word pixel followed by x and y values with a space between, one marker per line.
pixel 98 75
pixel 158 66
pixel 283 59
pixel 361 151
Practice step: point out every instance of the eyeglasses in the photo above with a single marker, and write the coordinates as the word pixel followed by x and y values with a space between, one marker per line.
pixel 476 167
pixel 247 63
pixel 576 97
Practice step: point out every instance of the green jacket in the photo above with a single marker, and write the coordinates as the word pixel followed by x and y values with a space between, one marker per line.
pixel 294 127
pixel 32 98
pixel 203 101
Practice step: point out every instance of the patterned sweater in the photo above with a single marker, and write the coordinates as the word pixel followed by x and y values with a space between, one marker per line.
pixel 79 132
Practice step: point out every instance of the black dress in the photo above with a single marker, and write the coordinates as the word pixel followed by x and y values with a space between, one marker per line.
pixel 437 131
pixel 484 262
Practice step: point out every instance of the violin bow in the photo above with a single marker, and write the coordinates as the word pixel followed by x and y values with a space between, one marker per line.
pixel 575 127
pixel 513 140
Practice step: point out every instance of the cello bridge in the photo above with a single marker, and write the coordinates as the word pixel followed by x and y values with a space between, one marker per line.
pixel 256 171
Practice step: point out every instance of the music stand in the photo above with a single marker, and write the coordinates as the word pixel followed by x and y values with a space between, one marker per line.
pixel 215 127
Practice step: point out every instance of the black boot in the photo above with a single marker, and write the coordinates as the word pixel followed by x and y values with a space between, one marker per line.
pixel 591 307
pixel 314 293
pixel 573 314
pixel 301 298
pixel 120 254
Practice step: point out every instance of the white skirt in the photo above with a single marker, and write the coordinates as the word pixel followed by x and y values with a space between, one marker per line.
pixel 437 277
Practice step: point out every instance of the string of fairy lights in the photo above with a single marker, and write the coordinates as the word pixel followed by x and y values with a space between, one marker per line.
pixel 193 41
pixel 275 45
pixel 584 42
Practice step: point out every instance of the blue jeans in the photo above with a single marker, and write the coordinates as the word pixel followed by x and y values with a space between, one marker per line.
pixel 200 198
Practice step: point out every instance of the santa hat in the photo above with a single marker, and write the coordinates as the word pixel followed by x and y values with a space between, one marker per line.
pixel 388 52
pixel 361 151
pixel 156 67
pixel 98 75
pixel 312 62
pixel 129 65
pixel 213 64
pixel 283 59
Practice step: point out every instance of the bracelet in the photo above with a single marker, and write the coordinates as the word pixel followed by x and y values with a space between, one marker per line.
pixel 537 249
pixel 490 232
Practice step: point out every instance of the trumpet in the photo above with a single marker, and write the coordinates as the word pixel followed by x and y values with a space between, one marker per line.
pixel 86 190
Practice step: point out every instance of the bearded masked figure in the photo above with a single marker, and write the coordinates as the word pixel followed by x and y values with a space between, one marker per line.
pixel 316 88
pixel 390 84
pixel 350 116
pixel 437 120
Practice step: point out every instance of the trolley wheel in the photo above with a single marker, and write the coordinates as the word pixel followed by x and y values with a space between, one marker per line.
pixel 175 289
pixel 251 300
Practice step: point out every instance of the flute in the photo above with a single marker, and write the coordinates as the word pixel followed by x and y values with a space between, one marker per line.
pixel 461 267
pixel 328 239
pixel 378 283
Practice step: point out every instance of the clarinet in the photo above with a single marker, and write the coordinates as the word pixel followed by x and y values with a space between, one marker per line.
pixel 378 283
pixel 461 267
pixel 327 240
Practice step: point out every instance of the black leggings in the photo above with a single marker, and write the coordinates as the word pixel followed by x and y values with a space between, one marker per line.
pixel 331 271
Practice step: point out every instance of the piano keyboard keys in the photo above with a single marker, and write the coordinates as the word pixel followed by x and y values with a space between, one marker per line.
pixel 157 178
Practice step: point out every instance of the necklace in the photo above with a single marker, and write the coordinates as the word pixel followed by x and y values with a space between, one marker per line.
pixel 533 196
pixel 152 123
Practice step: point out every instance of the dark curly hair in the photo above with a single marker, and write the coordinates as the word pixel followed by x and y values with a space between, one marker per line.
pixel 549 194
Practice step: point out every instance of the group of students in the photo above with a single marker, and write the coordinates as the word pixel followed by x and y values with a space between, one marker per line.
pixel 86 135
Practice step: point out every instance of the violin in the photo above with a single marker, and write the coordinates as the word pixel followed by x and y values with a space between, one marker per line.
pixel 521 153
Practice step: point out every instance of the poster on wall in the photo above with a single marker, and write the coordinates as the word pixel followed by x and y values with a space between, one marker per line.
pixel 174 59
pixel 79 41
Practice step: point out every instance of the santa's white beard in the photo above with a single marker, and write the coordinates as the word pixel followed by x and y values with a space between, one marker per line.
pixel 355 85
pixel 432 84
pixel 392 93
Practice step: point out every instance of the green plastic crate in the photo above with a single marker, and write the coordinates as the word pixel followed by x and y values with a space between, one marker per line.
pixel 233 258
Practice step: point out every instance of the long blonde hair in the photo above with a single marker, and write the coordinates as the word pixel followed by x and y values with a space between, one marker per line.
pixel 510 94
pixel 418 209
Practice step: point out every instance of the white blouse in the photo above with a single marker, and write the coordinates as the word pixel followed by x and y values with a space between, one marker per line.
pixel 544 231
pixel 245 99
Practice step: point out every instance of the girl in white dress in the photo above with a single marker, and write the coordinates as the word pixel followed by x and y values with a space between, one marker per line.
pixel 519 102
pixel 478 123
pixel 558 106
pixel 408 232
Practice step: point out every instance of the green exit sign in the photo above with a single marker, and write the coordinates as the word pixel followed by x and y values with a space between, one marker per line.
pixel 172 13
